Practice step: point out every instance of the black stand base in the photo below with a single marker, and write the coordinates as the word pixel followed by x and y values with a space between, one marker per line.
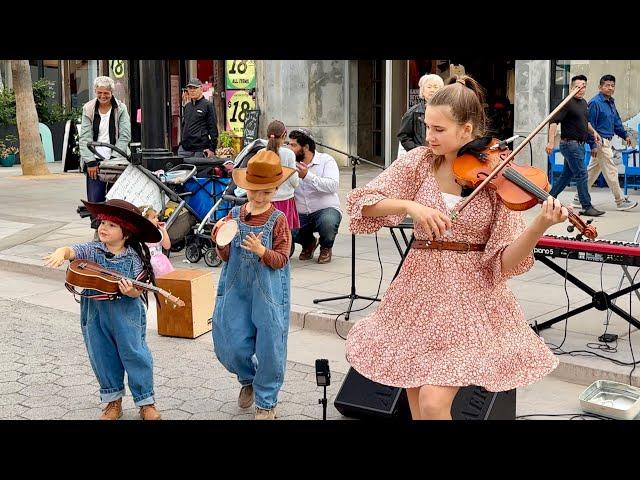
pixel 353 297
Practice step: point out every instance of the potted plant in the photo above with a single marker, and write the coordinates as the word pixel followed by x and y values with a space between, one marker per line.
pixel 225 145
pixel 51 114
pixel 8 151
pixel 237 143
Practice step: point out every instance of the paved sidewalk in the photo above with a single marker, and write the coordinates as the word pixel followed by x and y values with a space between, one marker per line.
pixel 45 372
pixel 39 215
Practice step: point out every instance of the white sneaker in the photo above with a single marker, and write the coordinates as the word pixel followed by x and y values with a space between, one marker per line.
pixel 627 204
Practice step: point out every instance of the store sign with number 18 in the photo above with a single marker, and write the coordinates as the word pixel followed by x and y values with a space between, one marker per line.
pixel 238 102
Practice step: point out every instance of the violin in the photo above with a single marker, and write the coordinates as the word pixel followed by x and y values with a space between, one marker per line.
pixel 90 275
pixel 486 162
pixel 518 187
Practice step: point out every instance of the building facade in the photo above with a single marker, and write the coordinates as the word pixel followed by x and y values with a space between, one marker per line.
pixel 351 105
pixel 356 105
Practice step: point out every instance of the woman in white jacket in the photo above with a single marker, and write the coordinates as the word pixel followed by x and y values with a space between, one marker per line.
pixel 283 199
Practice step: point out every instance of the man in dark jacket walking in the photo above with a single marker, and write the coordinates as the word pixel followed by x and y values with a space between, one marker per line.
pixel 199 129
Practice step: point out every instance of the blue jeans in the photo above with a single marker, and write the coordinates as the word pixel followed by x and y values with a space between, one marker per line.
pixel 251 316
pixel 325 222
pixel 573 153
pixel 114 333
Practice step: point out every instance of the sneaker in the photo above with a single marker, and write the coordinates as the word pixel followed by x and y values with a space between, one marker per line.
pixel 113 410
pixel 627 204
pixel 245 399
pixel 262 414
pixel 308 250
pixel 591 212
pixel 149 412
pixel 325 255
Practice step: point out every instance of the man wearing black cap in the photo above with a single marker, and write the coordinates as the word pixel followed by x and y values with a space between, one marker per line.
pixel 199 129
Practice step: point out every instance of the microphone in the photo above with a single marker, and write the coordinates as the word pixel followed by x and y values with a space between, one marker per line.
pixel 503 143
pixel 109 254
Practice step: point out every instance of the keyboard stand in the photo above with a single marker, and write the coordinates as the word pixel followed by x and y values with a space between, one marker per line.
pixel 406 224
pixel 600 300
pixel 630 278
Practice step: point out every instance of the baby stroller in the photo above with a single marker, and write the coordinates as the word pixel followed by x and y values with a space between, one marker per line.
pixel 199 243
pixel 141 186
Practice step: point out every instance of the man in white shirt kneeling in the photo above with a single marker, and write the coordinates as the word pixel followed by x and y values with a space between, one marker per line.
pixel 316 197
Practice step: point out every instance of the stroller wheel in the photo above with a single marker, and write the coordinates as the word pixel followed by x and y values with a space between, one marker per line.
pixel 177 246
pixel 211 258
pixel 193 253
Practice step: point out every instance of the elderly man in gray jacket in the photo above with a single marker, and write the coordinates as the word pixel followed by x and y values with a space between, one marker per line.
pixel 104 119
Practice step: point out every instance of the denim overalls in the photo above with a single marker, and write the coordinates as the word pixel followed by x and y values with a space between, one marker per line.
pixel 114 332
pixel 251 316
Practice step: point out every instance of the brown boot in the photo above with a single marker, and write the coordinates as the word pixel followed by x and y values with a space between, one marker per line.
pixel 245 399
pixel 308 250
pixel 325 255
pixel 265 414
pixel 149 412
pixel 113 410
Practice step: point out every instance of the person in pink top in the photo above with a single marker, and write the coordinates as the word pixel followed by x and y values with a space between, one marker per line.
pixel 159 261
pixel 449 320
pixel 284 199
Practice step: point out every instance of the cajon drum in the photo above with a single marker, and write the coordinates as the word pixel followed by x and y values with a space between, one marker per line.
pixel 195 287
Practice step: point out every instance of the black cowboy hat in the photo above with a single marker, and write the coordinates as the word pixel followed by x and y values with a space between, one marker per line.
pixel 130 216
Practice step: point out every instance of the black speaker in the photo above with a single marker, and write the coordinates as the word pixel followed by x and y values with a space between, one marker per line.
pixel 362 398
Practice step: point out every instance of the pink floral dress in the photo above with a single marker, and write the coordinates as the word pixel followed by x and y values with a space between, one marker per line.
pixel 448 318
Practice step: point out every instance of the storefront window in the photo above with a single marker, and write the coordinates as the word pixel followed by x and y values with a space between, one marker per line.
pixel 119 72
pixel 560 78
pixel 52 73
pixel 417 68
pixel 79 82
pixel 81 74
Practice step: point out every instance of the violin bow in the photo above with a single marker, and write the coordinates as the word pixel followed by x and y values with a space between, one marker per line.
pixel 515 151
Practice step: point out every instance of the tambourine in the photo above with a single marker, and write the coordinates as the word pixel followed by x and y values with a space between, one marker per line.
pixel 226 233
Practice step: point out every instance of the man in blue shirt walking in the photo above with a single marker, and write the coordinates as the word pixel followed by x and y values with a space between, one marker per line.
pixel 604 118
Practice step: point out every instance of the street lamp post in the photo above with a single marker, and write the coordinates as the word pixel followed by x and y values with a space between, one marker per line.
pixel 154 105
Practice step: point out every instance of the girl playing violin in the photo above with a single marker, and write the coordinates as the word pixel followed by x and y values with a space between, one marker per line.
pixel 114 330
pixel 449 320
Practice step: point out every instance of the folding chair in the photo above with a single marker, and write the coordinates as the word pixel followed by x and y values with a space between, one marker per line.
pixel 632 170
pixel 555 168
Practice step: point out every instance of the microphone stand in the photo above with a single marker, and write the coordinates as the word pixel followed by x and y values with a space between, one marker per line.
pixel 354 160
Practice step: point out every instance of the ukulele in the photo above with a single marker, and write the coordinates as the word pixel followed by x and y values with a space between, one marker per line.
pixel 90 275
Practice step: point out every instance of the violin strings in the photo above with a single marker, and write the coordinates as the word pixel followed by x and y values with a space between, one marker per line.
pixel 525 183
pixel 517 177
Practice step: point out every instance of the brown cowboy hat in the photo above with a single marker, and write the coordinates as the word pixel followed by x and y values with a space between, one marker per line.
pixel 128 216
pixel 263 171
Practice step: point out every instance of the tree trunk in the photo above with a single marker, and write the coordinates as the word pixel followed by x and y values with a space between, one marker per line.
pixel 32 157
